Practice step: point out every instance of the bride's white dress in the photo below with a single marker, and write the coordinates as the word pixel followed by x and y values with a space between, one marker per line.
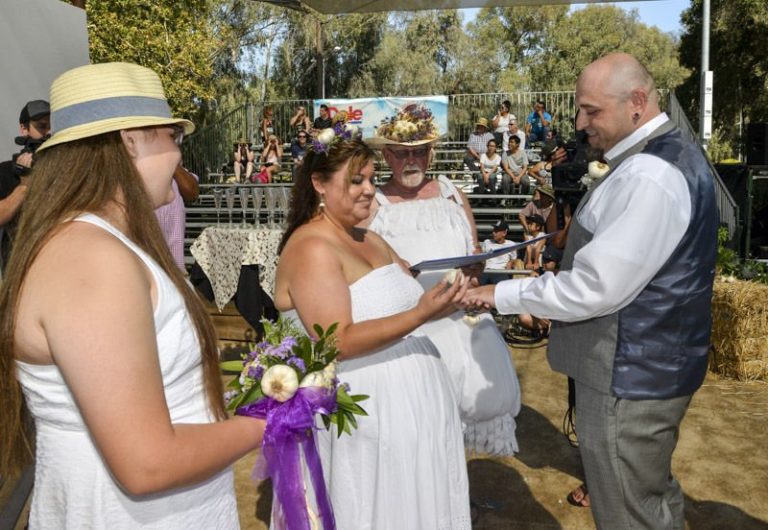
pixel 74 488
pixel 477 357
pixel 404 467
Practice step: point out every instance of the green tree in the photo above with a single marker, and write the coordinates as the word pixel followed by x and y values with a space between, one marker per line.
pixel 587 34
pixel 511 41
pixel 738 60
pixel 172 38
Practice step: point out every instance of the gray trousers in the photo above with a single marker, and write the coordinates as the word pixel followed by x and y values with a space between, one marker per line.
pixel 626 448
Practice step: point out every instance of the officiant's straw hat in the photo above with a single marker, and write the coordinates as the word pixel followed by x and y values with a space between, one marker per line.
pixel 99 98
pixel 413 124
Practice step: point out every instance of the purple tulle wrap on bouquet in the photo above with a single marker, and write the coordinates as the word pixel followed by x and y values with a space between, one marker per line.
pixel 289 431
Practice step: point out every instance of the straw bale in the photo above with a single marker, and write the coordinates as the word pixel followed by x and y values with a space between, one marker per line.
pixel 740 330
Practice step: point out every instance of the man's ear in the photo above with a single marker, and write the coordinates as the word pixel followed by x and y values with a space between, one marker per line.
pixel 130 141
pixel 639 99
pixel 23 130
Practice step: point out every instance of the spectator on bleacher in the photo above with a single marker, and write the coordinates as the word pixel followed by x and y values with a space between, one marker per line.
pixel 541 171
pixel 490 161
pixel 299 150
pixel 513 130
pixel 477 145
pixel 267 126
pixel 538 123
pixel 501 121
pixel 505 261
pixel 323 121
pixel 300 121
pixel 172 216
pixel 534 228
pixel 514 165
pixel 243 160
pixel 542 204
pixel 270 161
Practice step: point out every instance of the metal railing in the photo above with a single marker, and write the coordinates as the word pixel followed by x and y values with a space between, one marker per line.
pixel 211 149
pixel 726 204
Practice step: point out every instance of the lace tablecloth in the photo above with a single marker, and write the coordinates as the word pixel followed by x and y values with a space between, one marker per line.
pixel 221 251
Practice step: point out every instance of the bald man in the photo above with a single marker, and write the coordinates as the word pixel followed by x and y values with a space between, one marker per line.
pixel 631 305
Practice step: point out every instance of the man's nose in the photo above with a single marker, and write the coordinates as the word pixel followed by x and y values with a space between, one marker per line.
pixel 581 121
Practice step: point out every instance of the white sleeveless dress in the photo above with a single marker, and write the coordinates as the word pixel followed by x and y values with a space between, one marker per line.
pixel 404 467
pixel 477 357
pixel 73 487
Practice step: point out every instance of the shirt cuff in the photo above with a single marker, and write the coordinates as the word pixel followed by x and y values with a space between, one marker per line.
pixel 507 297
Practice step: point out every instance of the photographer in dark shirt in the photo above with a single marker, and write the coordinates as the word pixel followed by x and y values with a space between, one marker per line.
pixel 34 128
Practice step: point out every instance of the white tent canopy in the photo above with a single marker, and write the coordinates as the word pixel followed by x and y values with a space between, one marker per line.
pixel 336 7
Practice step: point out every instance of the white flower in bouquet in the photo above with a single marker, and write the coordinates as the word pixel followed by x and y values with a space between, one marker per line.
pixel 352 129
pixel 329 372
pixel 326 136
pixel 280 382
pixel 317 379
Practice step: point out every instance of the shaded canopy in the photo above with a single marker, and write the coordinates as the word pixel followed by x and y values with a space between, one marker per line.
pixel 334 7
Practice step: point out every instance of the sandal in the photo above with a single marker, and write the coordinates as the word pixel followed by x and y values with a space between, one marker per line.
pixel 579 497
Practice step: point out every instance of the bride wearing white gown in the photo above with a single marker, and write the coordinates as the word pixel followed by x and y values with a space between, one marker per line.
pixel 404 467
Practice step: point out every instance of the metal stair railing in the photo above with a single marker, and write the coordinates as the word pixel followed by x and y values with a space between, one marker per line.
pixel 726 204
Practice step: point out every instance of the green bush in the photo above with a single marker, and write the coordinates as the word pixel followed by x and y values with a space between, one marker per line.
pixel 729 264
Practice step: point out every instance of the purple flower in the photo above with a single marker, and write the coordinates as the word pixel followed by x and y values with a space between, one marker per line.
pixel 255 372
pixel 346 387
pixel 298 363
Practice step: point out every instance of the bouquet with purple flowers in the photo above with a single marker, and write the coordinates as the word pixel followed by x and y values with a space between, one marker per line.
pixel 288 379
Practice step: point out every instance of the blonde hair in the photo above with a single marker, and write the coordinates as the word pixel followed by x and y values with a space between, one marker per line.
pixel 70 179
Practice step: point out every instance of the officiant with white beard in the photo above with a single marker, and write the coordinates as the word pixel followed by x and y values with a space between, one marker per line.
pixel 429 218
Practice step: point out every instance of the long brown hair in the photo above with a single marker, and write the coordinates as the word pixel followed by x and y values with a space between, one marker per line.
pixel 69 179
pixel 304 200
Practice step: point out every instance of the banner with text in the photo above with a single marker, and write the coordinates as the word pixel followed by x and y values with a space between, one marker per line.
pixel 369 113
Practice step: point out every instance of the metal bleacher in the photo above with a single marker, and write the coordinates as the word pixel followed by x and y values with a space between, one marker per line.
pixel 448 161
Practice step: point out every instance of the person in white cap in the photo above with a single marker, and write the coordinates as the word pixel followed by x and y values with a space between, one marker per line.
pixel 115 355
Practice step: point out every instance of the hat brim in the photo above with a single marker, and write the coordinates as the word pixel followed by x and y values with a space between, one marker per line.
pixel 379 142
pixel 548 193
pixel 87 130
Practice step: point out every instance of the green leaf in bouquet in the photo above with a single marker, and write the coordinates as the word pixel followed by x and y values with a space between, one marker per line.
pixel 343 398
pixel 231 366
pixel 341 424
pixel 351 420
pixel 357 409
pixel 326 421
pixel 359 397
pixel 235 383
pixel 318 330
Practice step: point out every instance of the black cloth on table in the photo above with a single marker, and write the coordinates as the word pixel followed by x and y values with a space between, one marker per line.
pixel 250 299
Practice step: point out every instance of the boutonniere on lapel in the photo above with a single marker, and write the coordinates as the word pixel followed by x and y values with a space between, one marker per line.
pixel 595 171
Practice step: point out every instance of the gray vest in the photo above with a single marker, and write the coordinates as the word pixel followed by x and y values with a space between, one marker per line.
pixel 656 347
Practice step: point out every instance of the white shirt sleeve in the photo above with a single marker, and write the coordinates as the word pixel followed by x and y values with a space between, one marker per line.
pixel 637 218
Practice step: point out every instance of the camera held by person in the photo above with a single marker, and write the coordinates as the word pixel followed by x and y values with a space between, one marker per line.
pixel 34 128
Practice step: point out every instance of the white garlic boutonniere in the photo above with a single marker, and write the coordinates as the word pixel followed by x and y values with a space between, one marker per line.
pixel 595 171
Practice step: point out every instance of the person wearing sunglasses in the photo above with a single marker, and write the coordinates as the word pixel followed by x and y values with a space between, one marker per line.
pixel 299 150
pixel 429 218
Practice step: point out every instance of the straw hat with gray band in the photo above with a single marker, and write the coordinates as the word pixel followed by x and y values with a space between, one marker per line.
pixel 100 98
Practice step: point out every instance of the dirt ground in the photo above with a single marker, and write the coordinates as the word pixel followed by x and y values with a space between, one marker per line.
pixel 721 461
